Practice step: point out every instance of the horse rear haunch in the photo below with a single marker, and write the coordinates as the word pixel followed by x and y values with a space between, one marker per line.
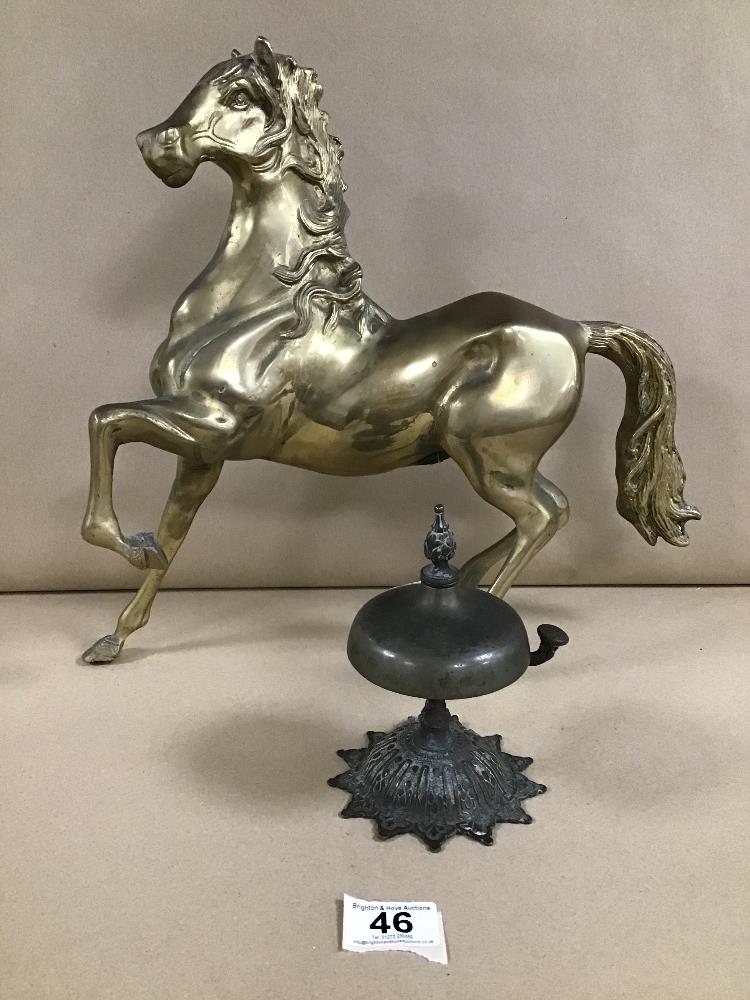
pixel 650 475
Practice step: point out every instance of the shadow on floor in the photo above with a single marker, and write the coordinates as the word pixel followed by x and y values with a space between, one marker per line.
pixel 633 756
pixel 629 758
pixel 242 757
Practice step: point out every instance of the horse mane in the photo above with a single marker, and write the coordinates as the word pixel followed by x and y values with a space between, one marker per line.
pixel 294 104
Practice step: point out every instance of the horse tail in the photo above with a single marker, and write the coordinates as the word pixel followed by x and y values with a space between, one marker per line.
pixel 649 470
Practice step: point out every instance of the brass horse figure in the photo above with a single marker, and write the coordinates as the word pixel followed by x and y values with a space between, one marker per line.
pixel 275 352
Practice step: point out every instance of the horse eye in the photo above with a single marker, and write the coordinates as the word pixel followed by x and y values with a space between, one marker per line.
pixel 239 100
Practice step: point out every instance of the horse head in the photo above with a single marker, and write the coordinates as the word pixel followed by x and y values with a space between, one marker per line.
pixel 254 114
pixel 258 116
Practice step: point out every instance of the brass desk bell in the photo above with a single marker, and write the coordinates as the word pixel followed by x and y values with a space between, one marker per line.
pixel 438 640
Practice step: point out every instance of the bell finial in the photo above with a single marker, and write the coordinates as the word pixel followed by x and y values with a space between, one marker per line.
pixel 439 547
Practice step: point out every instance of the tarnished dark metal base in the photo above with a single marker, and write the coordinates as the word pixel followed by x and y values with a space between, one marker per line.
pixel 436 782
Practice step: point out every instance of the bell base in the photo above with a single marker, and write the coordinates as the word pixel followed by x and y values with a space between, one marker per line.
pixel 435 782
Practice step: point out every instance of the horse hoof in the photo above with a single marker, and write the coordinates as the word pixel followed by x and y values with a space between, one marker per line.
pixel 145 551
pixel 104 650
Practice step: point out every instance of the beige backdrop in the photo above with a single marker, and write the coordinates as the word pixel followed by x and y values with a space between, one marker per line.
pixel 590 156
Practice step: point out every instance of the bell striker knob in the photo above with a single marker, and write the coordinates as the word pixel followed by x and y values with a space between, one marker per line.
pixel 439 547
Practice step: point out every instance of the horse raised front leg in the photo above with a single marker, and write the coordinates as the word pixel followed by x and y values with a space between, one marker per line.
pixel 188 432
pixel 191 486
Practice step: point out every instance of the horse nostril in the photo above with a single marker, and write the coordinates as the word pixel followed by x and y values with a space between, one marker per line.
pixel 168 137
pixel 142 139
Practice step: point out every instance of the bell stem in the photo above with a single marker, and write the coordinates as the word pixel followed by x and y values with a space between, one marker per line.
pixel 434 722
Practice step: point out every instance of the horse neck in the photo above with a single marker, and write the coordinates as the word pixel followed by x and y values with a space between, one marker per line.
pixel 262 231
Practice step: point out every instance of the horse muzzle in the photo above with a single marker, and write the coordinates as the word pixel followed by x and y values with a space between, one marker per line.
pixel 164 150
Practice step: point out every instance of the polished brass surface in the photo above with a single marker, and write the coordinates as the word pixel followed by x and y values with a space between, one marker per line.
pixel 275 351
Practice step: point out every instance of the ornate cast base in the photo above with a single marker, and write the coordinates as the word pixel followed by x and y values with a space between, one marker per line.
pixel 435 778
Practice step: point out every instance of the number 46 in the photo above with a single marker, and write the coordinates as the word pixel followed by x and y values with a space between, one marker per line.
pixel 401 923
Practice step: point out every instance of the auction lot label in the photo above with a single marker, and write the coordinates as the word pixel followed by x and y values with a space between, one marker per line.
pixel 377 925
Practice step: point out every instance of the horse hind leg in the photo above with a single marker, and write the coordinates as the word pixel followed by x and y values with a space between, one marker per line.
pixel 544 512
pixel 537 507
pixel 192 484
pixel 474 570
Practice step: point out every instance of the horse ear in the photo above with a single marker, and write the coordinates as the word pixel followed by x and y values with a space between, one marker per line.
pixel 263 54
pixel 236 53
